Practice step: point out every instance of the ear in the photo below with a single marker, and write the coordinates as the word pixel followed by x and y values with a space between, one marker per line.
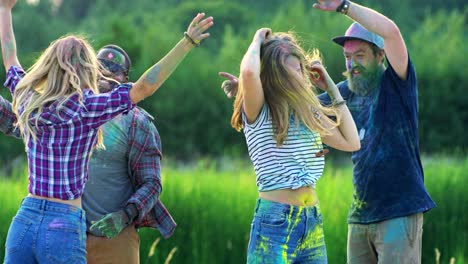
pixel 381 56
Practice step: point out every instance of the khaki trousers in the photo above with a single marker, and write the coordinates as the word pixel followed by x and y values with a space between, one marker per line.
pixel 394 241
pixel 124 248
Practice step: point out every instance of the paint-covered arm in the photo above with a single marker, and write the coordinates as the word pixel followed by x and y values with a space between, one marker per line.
pixel 7 37
pixel 155 76
pixel 394 44
pixel 253 96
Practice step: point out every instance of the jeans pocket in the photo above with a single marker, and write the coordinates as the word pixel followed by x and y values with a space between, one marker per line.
pixel 66 241
pixel 273 219
pixel 18 229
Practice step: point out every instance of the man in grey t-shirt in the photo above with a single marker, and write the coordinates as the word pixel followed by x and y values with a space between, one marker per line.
pixel 122 192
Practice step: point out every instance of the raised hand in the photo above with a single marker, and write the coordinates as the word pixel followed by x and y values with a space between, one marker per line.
pixel 8 4
pixel 7 36
pixel 327 5
pixel 196 29
pixel 262 34
pixel 230 85
pixel 319 76
pixel 111 224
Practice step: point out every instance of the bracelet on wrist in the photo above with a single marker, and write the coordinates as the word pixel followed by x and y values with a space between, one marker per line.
pixel 343 7
pixel 194 43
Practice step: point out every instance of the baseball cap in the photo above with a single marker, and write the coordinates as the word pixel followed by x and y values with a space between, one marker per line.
pixel 356 31
pixel 114 59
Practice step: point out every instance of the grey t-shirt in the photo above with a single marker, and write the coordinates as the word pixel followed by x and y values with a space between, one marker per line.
pixel 109 187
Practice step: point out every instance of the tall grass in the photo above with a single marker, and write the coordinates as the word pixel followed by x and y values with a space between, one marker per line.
pixel 213 206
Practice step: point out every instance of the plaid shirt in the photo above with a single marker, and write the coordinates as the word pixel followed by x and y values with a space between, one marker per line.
pixel 144 169
pixel 7 119
pixel 66 134
pixel 143 165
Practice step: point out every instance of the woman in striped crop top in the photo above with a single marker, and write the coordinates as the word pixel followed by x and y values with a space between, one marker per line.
pixel 59 112
pixel 285 125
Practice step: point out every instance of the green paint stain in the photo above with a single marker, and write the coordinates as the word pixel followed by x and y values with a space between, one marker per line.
pixel 314 238
pixel 296 218
pixel 358 204
pixel 263 244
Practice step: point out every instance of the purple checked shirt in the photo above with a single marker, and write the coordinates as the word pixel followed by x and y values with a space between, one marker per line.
pixel 66 134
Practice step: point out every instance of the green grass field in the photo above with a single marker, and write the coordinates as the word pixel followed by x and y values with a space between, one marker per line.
pixel 213 207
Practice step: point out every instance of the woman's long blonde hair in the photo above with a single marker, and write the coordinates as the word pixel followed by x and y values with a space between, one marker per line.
pixel 64 69
pixel 286 92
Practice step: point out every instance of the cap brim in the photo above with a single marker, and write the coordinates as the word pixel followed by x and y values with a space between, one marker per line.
pixel 342 39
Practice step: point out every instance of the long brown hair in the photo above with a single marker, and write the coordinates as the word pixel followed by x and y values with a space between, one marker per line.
pixel 286 92
pixel 64 69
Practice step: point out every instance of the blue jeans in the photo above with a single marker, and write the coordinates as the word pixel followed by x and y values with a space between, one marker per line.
pixel 283 233
pixel 46 232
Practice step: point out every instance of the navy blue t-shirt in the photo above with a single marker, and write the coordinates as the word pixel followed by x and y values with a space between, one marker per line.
pixel 388 177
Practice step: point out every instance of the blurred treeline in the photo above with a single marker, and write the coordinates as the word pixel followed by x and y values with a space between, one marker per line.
pixel 191 111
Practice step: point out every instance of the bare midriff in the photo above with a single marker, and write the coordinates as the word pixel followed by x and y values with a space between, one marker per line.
pixel 75 202
pixel 304 196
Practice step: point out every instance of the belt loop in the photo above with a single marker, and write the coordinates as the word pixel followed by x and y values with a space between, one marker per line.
pixel 43 204
pixel 257 205
pixel 316 211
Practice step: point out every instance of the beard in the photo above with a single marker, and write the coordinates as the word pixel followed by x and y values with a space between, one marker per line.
pixel 367 80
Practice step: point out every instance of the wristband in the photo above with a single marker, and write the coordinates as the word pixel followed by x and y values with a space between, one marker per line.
pixel 343 7
pixel 195 43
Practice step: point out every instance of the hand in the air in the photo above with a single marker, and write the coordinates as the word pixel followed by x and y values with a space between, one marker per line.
pixel 230 85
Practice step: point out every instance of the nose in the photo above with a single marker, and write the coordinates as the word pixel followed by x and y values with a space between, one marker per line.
pixel 349 64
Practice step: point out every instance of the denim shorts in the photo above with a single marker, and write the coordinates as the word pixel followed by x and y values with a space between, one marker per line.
pixel 46 232
pixel 283 233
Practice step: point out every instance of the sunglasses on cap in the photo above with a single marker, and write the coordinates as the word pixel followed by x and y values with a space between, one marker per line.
pixel 113 67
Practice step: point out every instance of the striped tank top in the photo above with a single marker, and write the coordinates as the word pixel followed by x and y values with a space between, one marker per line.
pixel 289 166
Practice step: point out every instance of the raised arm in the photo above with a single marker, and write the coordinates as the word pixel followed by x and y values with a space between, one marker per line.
pixel 155 76
pixel 250 76
pixel 345 136
pixel 7 37
pixel 394 45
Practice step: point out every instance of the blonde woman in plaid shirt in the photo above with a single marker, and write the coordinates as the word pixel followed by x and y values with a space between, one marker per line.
pixel 59 112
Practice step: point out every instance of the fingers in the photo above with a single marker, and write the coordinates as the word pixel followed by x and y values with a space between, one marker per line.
pixel 318 6
pixel 205 24
pixel 198 26
pixel 262 34
pixel 316 66
pixel 265 32
pixel 227 76
pixel 106 227
pixel 196 19
pixel 203 36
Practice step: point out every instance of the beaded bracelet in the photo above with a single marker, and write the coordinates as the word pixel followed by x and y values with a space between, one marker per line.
pixel 195 43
